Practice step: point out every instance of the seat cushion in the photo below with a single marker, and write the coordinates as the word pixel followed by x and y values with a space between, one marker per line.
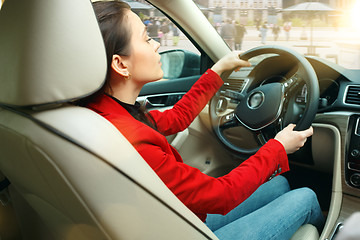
pixel 306 232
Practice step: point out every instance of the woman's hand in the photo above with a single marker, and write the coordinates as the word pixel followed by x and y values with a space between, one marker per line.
pixel 231 62
pixel 293 140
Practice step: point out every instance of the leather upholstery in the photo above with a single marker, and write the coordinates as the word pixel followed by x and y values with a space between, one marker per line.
pixel 306 232
pixel 49 53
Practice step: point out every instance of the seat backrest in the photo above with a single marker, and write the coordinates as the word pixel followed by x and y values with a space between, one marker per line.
pixel 69 165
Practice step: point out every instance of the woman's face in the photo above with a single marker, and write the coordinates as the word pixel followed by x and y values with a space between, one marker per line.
pixel 144 61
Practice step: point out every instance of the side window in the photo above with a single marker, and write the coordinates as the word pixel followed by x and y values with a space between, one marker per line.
pixel 179 57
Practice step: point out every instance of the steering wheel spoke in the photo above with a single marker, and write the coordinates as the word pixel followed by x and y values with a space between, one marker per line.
pixel 260 137
pixel 228 121
pixel 291 85
pixel 265 134
pixel 279 124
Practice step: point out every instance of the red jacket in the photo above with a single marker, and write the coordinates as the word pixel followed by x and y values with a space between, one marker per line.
pixel 199 192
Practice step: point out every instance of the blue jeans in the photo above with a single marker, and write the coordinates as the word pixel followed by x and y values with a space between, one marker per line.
pixel 271 212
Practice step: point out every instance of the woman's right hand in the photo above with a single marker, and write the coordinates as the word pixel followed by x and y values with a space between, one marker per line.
pixel 293 140
pixel 231 62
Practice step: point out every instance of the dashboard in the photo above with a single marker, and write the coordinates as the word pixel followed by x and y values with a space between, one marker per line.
pixel 336 84
pixel 328 87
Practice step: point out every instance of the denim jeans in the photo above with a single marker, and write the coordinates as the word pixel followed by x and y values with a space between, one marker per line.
pixel 271 212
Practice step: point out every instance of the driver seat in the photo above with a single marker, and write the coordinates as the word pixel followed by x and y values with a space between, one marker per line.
pixel 73 175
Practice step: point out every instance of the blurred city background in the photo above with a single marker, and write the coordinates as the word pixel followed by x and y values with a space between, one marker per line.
pixel 326 28
pixel 322 29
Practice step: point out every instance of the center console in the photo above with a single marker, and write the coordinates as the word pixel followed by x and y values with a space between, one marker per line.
pixel 352 160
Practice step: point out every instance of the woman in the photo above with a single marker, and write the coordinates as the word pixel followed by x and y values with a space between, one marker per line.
pixel 132 62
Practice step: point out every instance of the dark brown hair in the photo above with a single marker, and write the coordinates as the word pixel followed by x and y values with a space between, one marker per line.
pixel 116 33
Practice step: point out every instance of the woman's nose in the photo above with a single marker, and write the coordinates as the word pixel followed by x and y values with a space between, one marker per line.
pixel 156 44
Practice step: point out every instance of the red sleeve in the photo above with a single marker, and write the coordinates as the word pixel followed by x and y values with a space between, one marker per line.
pixel 185 111
pixel 204 194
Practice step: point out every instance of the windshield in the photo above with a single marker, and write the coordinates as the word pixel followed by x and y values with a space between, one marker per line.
pixel 326 29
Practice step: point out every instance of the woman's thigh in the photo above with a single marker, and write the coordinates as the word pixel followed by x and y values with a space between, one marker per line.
pixel 261 197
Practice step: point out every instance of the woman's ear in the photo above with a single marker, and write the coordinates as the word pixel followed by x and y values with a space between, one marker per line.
pixel 118 65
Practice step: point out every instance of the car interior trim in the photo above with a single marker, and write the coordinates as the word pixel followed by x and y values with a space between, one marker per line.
pixel 336 196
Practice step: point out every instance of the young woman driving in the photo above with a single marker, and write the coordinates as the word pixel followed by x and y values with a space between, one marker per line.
pixel 240 205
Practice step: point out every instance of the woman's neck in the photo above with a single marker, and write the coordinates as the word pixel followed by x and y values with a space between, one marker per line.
pixel 126 91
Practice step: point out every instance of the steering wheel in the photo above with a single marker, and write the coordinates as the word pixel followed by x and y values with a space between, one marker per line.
pixel 268 107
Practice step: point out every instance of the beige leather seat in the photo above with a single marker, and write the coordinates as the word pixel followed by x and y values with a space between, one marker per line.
pixel 72 174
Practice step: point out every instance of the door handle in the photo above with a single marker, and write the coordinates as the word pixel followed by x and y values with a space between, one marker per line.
pixel 148 103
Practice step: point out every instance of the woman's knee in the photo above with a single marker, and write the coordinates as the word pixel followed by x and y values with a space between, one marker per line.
pixel 307 193
pixel 308 200
pixel 281 183
pixel 306 197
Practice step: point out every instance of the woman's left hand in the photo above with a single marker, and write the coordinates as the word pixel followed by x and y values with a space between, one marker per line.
pixel 230 61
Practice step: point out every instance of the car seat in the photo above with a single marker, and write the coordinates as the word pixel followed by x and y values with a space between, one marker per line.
pixel 72 173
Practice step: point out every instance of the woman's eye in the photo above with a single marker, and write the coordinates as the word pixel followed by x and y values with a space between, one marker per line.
pixel 148 40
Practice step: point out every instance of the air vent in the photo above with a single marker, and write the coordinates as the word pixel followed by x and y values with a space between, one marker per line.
pixel 235 84
pixel 353 95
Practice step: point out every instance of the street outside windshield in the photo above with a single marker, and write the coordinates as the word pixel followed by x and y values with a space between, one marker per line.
pixel 329 29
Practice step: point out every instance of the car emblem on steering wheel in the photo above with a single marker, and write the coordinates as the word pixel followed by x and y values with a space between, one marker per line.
pixel 256 99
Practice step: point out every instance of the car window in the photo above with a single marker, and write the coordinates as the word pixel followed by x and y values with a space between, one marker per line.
pixel 326 29
pixel 167 33
pixel 179 57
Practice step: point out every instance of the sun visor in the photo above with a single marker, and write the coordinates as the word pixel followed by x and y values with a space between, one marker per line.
pixel 50 51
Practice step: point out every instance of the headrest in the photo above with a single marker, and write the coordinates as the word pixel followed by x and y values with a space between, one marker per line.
pixel 51 51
